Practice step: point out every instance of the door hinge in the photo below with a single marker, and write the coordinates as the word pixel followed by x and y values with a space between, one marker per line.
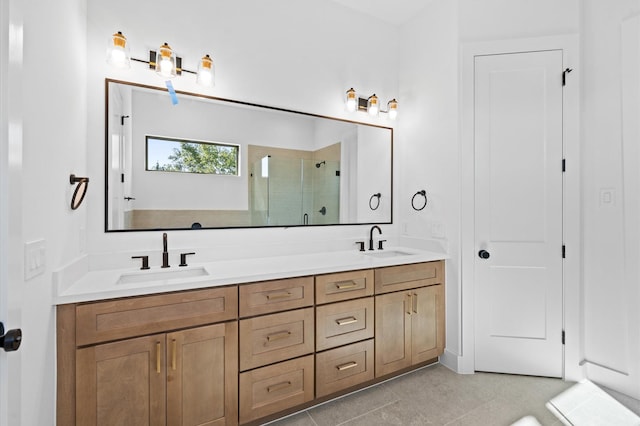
pixel 563 337
pixel 564 165
pixel 564 75
pixel 564 251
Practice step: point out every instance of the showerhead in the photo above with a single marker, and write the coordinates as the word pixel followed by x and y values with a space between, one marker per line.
pixel 320 164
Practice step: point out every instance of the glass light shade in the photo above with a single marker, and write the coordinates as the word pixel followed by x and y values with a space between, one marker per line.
pixel 373 106
pixel 118 51
pixel 166 62
pixel 392 109
pixel 206 74
pixel 352 100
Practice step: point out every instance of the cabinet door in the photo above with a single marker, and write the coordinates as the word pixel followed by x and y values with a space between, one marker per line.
pixel 427 323
pixel 202 375
pixel 393 332
pixel 122 383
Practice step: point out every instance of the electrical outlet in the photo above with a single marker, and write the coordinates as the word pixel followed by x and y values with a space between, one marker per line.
pixel 35 259
pixel 437 230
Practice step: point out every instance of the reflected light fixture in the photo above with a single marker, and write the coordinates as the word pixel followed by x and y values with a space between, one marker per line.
pixel 118 51
pixel 370 105
pixel 164 61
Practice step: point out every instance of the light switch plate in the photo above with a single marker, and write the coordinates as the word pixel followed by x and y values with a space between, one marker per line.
pixel 35 258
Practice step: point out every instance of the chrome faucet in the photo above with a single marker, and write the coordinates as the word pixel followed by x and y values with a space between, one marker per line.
pixel 371 235
pixel 165 252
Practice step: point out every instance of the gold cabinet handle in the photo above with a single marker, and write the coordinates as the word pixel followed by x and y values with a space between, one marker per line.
pixel 275 296
pixel 347 366
pixel 174 352
pixel 158 355
pixel 408 307
pixel 343 285
pixel 415 303
pixel 278 387
pixel 277 336
pixel 345 321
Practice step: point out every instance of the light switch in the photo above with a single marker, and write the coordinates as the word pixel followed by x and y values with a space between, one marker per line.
pixel 35 259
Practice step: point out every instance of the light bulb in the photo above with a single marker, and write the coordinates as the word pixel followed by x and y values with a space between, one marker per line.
pixel 205 75
pixel 372 105
pixel 351 100
pixel 165 67
pixel 118 51
pixel 392 109
pixel 165 62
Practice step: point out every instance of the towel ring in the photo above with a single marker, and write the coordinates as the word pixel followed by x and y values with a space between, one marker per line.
pixel 413 200
pixel 377 195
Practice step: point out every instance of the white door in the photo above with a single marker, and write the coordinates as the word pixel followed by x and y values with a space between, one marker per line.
pixel 518 213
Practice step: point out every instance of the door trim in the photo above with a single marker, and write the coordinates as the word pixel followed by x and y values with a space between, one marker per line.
pixel 571 201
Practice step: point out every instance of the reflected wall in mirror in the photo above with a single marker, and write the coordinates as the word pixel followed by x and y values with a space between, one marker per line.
pixel 293 168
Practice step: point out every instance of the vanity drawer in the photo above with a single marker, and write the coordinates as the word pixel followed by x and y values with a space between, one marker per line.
pixel 267 390
pixel 344 367
pixel 343 286
pixel 274 296
pixel 137 316
pixel 403 277
pixel 344 322
pixel 276 337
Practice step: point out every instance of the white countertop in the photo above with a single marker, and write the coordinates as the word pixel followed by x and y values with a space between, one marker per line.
pixel 104 284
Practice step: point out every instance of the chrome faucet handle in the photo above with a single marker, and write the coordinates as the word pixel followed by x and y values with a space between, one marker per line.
pixel 183 258
pixel 145 261
pixel 380 244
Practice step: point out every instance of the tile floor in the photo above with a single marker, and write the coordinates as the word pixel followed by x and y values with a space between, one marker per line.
pixel 436 395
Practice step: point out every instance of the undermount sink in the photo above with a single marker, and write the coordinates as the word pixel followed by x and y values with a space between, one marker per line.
pixel 388 253
pixel 146 276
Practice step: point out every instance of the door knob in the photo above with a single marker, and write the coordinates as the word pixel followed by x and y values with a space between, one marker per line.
pixel 10 341
pixel 483 254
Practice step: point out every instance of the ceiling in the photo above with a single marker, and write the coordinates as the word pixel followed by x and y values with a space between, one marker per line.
pixel 395 12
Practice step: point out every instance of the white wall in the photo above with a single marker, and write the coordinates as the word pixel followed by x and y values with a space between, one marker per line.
pixel 296 55
pixel 611 237
pixel 427 142
pixel 48 136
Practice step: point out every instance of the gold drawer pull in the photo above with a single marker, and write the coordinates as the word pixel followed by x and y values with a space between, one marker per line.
pixel 158 355
pixel 343 285
pixel 278 336
pixel 278 387
pixel 415 303
pixel 345 321
pixel 275 296
pixel 347 366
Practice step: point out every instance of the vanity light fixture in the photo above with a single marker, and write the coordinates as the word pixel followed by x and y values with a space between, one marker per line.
pixel 118 51
pixel 163 61
pixel 371 105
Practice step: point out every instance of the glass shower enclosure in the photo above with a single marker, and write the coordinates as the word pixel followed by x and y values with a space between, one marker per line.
pixel 294 191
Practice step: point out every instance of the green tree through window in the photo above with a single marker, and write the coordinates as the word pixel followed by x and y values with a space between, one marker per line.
pixel 173 155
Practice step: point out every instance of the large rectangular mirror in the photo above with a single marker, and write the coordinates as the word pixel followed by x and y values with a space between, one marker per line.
pixel 206 162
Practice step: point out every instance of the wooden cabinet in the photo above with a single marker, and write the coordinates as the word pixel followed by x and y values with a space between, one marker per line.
pixel 121 362
pixel 224 355
pixel 409 324
pixel 187 377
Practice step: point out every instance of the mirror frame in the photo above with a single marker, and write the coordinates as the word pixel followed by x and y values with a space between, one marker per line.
pixel 236 102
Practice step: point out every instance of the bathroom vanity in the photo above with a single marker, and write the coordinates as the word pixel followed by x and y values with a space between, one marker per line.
pixel 237 351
